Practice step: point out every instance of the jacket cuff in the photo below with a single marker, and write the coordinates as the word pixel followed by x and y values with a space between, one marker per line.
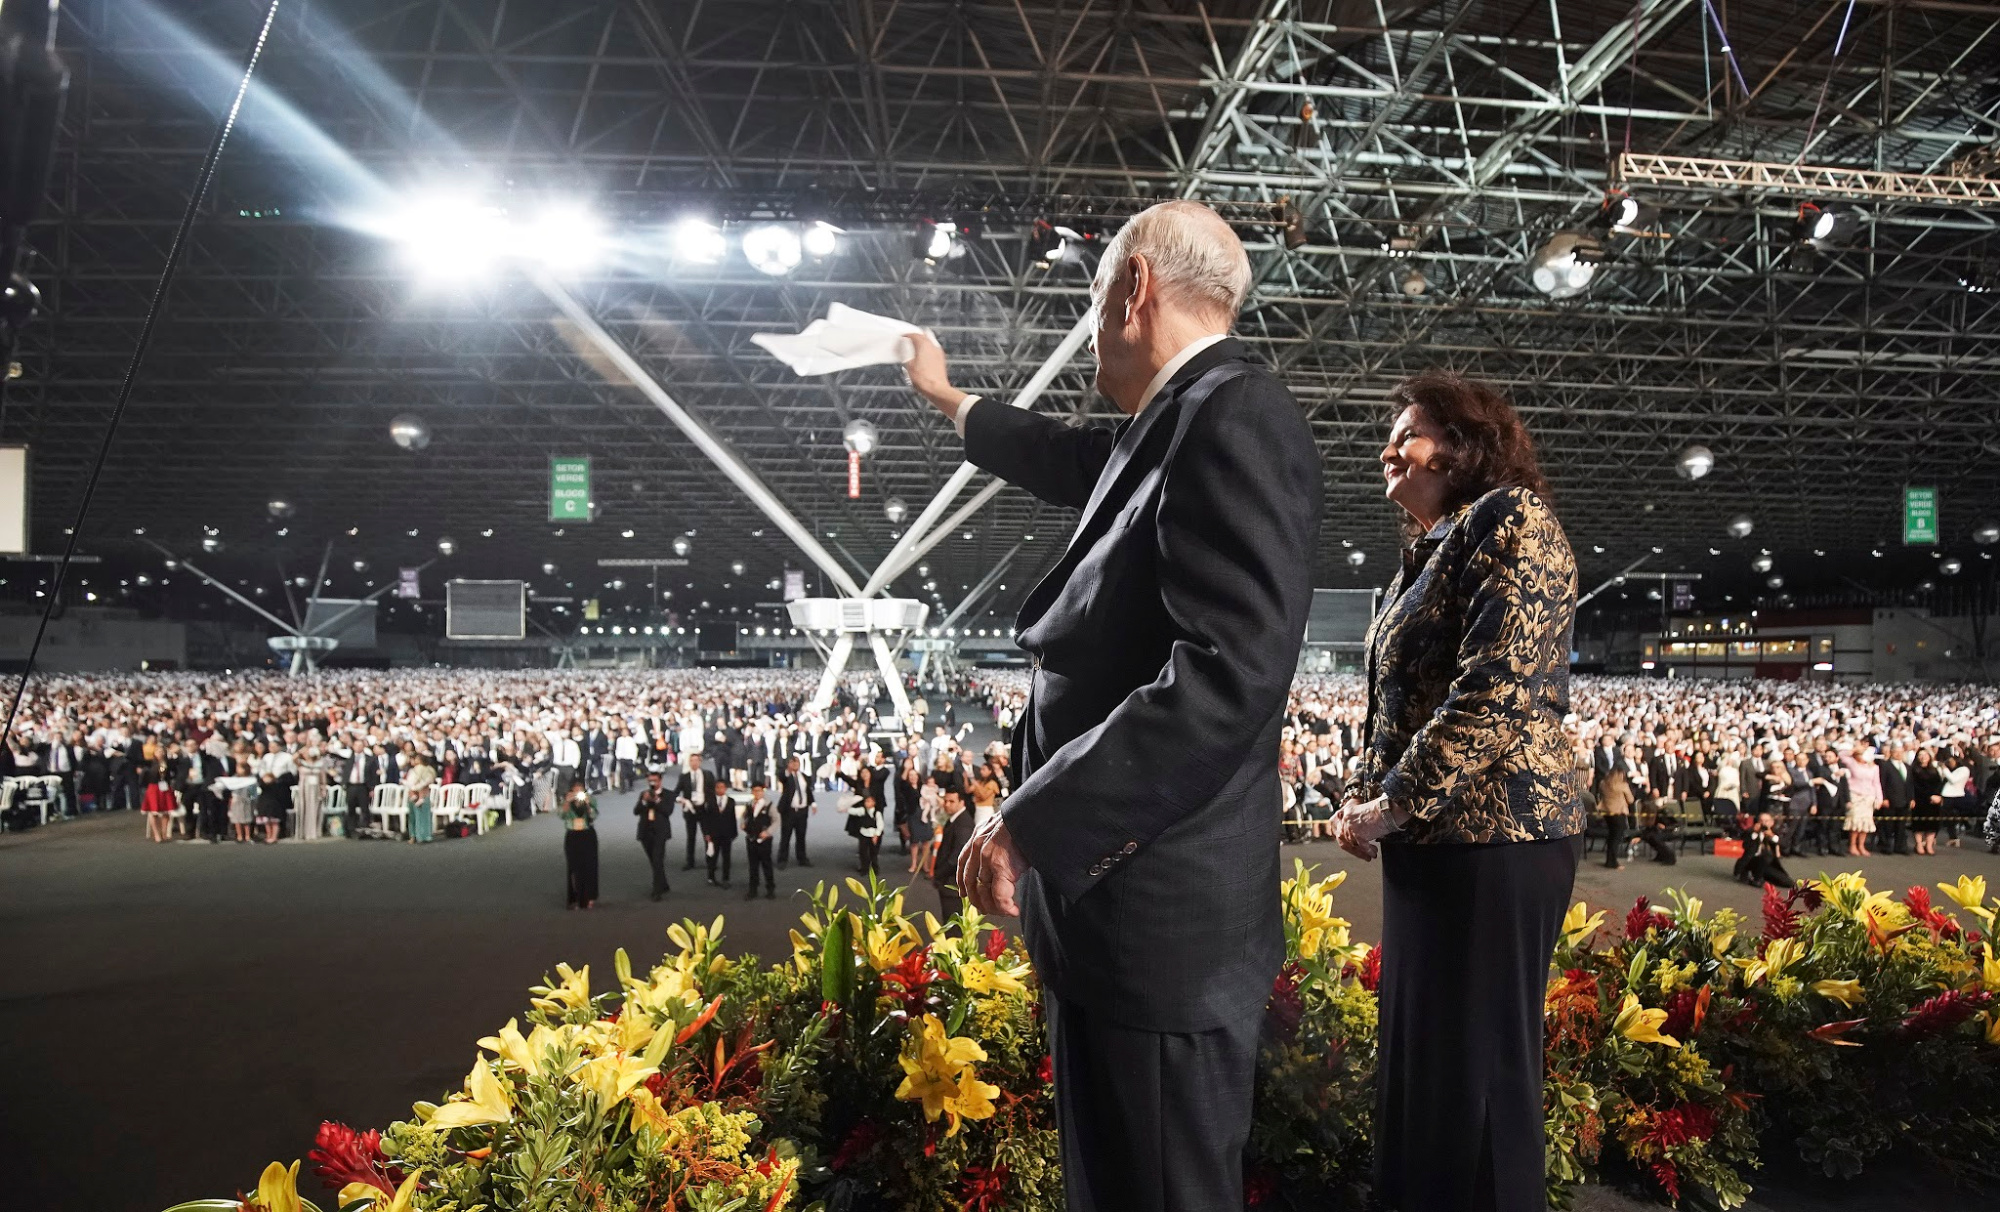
pixel 1063 870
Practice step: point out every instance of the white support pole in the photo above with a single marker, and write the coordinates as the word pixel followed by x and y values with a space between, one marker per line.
pixel 1052 366
pixel 281 624
pixel 836 664
pixel 891 679
pixel 718 452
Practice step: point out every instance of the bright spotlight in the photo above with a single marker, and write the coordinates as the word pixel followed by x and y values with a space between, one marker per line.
pixel 450 237
pixel 1563 267
pixel 699 240
pixel 940 243
pixel 1823 224
pixel 773 248
pixel 566 238
pixel 821 240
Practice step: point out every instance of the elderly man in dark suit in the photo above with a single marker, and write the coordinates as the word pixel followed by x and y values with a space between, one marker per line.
pixel 1140 845
pixel 952 839
pixel 696 796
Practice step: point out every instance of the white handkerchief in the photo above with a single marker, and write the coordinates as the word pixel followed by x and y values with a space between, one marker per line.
pixel 846 338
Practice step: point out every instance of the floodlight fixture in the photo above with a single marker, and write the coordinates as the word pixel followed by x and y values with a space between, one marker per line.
pixel 938 241
pixel 566 237
pixel 820 239
pixel 773 248
pixel 1563 267
pixel 699 241
pixel 450 236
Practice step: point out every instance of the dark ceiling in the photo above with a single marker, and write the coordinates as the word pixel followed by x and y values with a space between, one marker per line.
pixel 1469 131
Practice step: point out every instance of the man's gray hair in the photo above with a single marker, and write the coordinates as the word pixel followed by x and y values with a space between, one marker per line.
pixel 1194 255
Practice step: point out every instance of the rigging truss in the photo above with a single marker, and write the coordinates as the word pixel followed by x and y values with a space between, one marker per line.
pixel 1448 138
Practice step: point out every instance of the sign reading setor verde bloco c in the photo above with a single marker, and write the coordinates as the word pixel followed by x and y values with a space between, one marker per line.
pixel 1920 515
pixel 569 488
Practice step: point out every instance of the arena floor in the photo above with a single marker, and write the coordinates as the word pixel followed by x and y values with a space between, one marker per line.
pixel 204 1006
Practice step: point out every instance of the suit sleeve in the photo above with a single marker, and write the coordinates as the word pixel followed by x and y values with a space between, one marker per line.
pixel 1521 590
pixel 1236 529
pixel 1058 463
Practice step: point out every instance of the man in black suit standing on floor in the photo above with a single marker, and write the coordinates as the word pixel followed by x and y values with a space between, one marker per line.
pixel 696 796
pixel 718 827
pixel 795 804
pixel 1142 836
pixel 656 829
pixel 952 838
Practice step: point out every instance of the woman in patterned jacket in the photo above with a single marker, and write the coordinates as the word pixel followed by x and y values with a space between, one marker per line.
pixel 1467 781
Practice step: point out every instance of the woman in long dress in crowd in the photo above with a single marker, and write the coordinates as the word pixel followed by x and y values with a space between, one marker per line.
pixel 1955 798
pixel 277 774
pixel 579 816
pixel 1864 796
pixel 1465 780
pixel 1927 788
pixel 418 780
pixel 314 772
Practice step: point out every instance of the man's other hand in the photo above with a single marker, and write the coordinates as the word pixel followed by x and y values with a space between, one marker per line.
pixel 990 868
pixel 929 375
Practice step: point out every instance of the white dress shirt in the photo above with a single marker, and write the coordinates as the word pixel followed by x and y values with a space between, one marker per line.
pixel 1174 364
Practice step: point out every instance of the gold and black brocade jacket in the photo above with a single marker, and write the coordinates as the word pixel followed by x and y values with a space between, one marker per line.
pixel 1468 679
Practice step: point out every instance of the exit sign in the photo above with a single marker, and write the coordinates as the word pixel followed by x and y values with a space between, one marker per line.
pixel 1920 516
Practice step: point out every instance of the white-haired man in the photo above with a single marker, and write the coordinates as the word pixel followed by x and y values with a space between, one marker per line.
pixel 1142 837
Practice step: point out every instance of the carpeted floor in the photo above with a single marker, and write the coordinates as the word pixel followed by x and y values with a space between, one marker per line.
pixel 174 1016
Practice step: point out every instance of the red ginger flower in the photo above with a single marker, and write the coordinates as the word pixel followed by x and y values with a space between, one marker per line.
pixel 860 1139
pixel 996 944
pixel 1046 1071
pixel 1371 969
pixel 342 1155
pixel 1937 1015
pixel 1258 1188
pixel 1668 1177
pixel 1918 901
pixel 984 1189
pixel 1642 916
pixel 909 982
pixel 1285 1007
pixel 1780 919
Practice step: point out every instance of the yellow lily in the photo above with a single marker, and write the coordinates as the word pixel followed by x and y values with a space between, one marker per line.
pixel 1778 956
pixel 1642 1026
pixel 1989 970
pixel 1993 1027
pixel 611 1078
pixel 488 1102
pixel 278 1190
pixel 400 1201
pixel 884 948
pixel 1718 945
pixel 1319 929
pixel 932 1063
pixel 1846 992
pixel 1970 895
pixel 973 1099
pixel 571 993
pixel 1579 923
pixel 985 976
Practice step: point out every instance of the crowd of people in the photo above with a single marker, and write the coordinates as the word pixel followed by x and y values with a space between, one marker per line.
pixel 1785 768
pixel 1782 768
pixel 738 753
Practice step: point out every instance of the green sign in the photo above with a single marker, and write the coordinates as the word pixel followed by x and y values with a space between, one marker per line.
pixel 569 488
pixel 1919 515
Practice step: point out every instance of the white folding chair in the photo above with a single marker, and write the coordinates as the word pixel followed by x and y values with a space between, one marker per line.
pixel 391 801
pixel 479 798
pixel 448 800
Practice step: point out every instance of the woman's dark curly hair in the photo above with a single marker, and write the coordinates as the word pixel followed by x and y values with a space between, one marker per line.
pixel 1485 445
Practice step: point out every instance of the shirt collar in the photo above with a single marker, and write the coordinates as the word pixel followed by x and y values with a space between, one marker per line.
pixel 1174 364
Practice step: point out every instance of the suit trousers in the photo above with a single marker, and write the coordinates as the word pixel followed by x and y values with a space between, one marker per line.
pixel 723 846
pixel 693 824
pixel 791 832
pixel 654 842
pixel 1467 931
pixel 757 859
pixel 1151 1121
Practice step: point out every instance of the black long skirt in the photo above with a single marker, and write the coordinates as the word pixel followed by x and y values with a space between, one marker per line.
pixel 580 856
pixel 1466 936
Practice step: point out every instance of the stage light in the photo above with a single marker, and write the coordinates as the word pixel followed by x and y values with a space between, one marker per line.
pixel 410 432
pixel 361 566
pixel 1626 215
pixel 773 248
pixel 736 567
pixel 1563 267
pixel 280 509
pixel 1761 564
pixel 627 533
pixel 566 237
pixel 1951 567
pixel 895 510
pixel 923 570
pixel 449 236
pixel 1774 581
pixel 548 570
pixel 1740 526
pixel 699 240
pixel 211 545
pixel 860 436
pixel 1694 462
pixel 1412 282
pixel 1356 559
pixel 447 546
pixel 682 546
pixel 822 239
pixel 1987 534
pixel 937 242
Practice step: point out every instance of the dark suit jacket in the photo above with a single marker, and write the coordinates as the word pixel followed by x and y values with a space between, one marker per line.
pixel 795 791
pixel 697 789
pixel 1164 642
pixel 951 841
pixel 1896 793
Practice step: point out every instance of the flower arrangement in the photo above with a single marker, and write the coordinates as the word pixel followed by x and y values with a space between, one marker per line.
pixel 897 1063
